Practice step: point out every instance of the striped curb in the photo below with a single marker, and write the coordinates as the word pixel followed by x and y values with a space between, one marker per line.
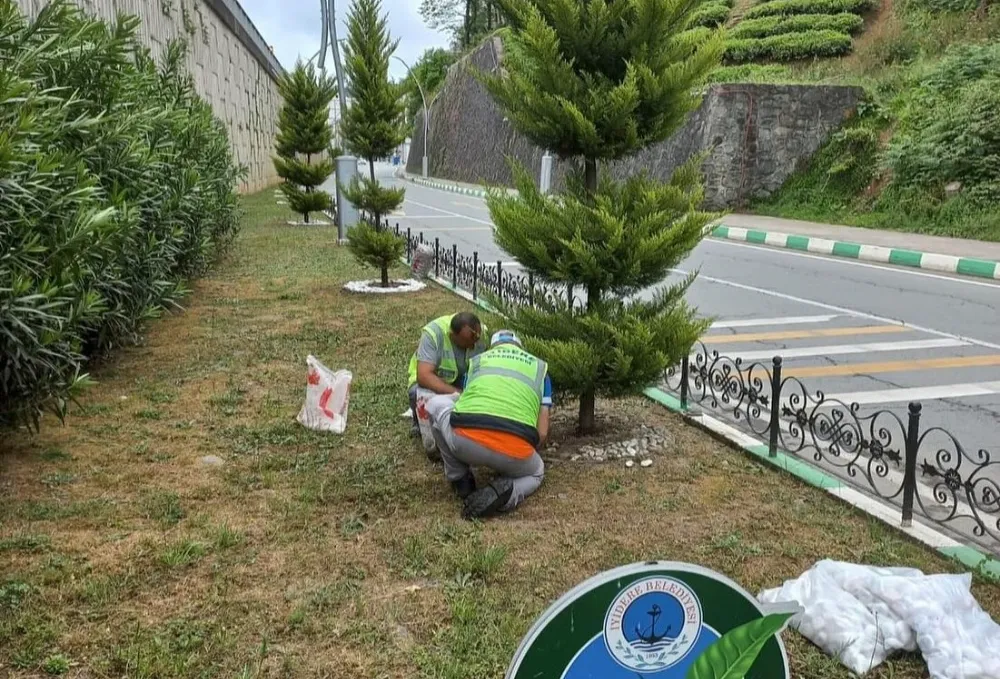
pixel 965 266
pixel 442 186
pixel 970 557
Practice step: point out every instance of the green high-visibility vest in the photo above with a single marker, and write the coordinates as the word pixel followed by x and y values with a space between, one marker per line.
pixel 439 330
pixel 507 383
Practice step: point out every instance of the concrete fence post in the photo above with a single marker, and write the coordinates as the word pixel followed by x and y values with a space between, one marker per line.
pixel 347 214
pixel 545 181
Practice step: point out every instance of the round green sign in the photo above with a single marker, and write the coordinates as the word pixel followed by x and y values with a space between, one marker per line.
pixel 656 620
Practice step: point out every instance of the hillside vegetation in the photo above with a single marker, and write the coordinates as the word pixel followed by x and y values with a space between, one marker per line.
pixel 923 152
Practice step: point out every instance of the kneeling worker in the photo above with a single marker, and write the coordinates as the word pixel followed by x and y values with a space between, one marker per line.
pixel 441 360
pixel 499 421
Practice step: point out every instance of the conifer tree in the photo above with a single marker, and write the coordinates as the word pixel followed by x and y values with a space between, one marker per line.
pixel 595 81
pixel 303 134
pixel 373 129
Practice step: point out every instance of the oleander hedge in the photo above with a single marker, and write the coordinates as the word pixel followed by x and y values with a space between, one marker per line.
pixel 845 22
pixel 711 15
pixel 792 7
pixel 788 46
pixel 117 185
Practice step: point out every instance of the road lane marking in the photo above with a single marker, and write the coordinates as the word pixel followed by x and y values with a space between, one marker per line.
pixel 449 212
pixel 841 309
pixel 406 216
pixel 895 366
pixel 787 320
pixel 461 229
pixel 851 262
pixel 918 393
pixel 843 349
pixel 803 334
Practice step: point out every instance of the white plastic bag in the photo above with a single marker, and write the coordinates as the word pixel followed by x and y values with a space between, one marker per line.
pixel 423 261
pixel 328 394
pixel 425 423
pixel 958 639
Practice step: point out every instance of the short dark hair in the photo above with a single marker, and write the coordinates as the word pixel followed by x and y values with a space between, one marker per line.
pixel 465 319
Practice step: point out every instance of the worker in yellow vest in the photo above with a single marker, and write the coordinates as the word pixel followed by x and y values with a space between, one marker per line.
pixel 441 360
pixel 500 421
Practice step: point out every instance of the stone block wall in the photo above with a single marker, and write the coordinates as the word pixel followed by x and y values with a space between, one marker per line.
pixel 232 66
pixel 755 136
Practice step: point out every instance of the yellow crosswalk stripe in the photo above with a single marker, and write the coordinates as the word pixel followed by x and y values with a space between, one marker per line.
pixel 804 334
pixel 893 366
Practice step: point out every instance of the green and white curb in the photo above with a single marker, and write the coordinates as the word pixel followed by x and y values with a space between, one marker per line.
pixel 970 557
pixel 870 253
pixel 443 186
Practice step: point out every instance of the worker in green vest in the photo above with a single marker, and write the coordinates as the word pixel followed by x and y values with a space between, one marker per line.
pixel 441 360
pixel 500 421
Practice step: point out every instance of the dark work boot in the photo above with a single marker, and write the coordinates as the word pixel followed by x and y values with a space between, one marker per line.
pixel 487 501
pixel 465 486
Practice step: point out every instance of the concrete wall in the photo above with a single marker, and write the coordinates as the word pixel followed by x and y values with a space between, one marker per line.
pixel 232 66
pixel 755 135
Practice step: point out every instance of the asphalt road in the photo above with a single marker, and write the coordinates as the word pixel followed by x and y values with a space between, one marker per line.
pixel 878 335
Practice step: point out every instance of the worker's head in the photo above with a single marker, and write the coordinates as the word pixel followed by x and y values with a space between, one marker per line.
pixel 504 337
pixel 465 330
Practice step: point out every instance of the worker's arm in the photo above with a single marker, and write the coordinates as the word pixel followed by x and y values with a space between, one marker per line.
pixel 543 425
pixel 543 413
pixel 428 379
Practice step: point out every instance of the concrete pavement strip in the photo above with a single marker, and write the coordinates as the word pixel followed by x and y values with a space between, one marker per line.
pixel 966 266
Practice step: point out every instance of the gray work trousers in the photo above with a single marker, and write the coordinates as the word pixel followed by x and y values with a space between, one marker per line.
pixel 459 454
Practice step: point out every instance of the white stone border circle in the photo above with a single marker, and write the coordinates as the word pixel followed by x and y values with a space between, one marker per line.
pixel 406 285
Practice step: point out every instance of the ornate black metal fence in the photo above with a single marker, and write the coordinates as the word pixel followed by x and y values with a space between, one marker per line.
pixel 923 470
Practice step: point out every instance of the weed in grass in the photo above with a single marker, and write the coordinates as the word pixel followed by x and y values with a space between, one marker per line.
pixel 93 410
pixel 41 510
pixel 25 543
pixel 415 557
pixel 56 664
pixel 352 524
pixel 103 590
pixel 179 648
pixel 164 506
pixel 736 545
pixel 55 455
pixel 226 537
pixel 230 401
pixel 183 553
pixel 478 561
pixel 58 479
pixel 613 486
pixel 12 594
pixel 149 414
pixel 159 395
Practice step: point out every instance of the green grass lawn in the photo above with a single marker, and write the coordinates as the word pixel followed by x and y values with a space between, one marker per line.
pixel 309 555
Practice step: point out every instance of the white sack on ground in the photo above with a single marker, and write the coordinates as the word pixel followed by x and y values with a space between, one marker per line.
pixel 862 614
pixel 328 395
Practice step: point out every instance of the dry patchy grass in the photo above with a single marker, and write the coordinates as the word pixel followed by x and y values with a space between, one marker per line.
pixel 310 555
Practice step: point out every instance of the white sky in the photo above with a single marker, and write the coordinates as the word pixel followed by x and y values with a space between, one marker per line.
pixel 292 28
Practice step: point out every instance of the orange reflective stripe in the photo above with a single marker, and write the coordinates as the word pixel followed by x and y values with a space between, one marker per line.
pixel 501 442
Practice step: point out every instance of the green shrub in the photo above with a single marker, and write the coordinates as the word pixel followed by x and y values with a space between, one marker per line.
pixel 789 46
pixel 711 15
pixel 752 73
pixel 377 247
pixel 845 22
pixel 950 129
pixel 791 7
pixel 118 185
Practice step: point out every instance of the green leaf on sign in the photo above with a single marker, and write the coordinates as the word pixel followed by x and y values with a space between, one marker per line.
pixel 732 656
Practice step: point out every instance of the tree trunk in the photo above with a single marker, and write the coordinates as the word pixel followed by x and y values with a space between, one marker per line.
pixel 983 9
pixel 588 421
pixel 385 276
pixel 468 23
pixel 371 170
pixel 588 398
pixel 489 16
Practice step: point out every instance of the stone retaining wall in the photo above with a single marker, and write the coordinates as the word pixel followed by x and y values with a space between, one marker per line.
pixel 755 135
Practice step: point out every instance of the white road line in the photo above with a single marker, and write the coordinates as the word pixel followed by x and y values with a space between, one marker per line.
pixel 404 216
pixel 787 320
pixel 918 393
pixel 461 229
pixel 843 349
pixel 851 262
pixel 449 212
pixel 840 309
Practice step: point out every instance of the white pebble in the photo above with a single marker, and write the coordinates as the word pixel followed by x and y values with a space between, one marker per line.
pixel 646 463
pixel 629 463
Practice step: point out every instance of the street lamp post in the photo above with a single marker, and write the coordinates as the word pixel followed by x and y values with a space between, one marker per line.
pixel 423 98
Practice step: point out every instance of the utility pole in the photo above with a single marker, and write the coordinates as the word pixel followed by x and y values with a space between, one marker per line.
pixel 427 112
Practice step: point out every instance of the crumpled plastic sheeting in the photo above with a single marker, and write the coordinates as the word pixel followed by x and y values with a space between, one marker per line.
pixel 862 614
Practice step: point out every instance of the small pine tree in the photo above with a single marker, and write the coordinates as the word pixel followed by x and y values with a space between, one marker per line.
pixel 598 80
pixel 304 133
pixel 372 128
